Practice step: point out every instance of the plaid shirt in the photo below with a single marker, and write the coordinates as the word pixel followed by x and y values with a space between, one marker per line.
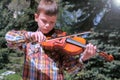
pixel 40 64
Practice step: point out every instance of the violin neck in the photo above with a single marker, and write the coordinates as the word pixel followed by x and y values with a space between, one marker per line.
pixel 69 40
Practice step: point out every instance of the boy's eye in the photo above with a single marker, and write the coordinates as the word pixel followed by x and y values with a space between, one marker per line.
pixel 44 21
pixel 51 23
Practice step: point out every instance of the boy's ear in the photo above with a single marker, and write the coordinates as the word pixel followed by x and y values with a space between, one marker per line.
pixel 36 17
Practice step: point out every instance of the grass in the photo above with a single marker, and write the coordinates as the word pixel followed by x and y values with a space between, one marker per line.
pixel 13 77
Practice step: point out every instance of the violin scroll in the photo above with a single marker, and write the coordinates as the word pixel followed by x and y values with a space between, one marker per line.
pixel 106 56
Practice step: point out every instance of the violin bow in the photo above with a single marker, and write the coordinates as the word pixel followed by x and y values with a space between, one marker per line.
pixel 86 32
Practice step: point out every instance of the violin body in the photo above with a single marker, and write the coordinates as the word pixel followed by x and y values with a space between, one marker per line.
pixel 72 49
pixel 62 45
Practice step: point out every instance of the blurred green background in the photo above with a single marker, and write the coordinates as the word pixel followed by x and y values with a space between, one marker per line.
pixel 75 16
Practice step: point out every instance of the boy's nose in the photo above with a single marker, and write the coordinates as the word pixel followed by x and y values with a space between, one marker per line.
pixel 47 25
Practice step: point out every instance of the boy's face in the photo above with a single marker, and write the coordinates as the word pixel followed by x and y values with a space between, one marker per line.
pixel 45 22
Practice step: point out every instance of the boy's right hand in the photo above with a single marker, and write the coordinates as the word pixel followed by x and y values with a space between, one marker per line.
pixel 37 36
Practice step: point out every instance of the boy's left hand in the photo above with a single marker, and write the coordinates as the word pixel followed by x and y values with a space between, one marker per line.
pixel 89 52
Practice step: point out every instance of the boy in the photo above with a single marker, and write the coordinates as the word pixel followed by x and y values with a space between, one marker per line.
pixel 41 64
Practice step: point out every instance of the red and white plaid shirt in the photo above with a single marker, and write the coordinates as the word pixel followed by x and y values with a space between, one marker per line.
pixel 40 64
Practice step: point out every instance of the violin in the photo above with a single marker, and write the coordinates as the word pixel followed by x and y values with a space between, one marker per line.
pixel 76 41
pixel 71 46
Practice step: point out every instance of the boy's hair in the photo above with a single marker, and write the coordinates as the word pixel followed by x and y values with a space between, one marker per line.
pixel 49 6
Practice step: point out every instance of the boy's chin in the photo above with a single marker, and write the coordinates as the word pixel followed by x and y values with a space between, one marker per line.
pixel 46 32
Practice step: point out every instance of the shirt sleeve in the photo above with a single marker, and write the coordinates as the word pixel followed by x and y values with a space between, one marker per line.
pixel 16 39
pixel 72 65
